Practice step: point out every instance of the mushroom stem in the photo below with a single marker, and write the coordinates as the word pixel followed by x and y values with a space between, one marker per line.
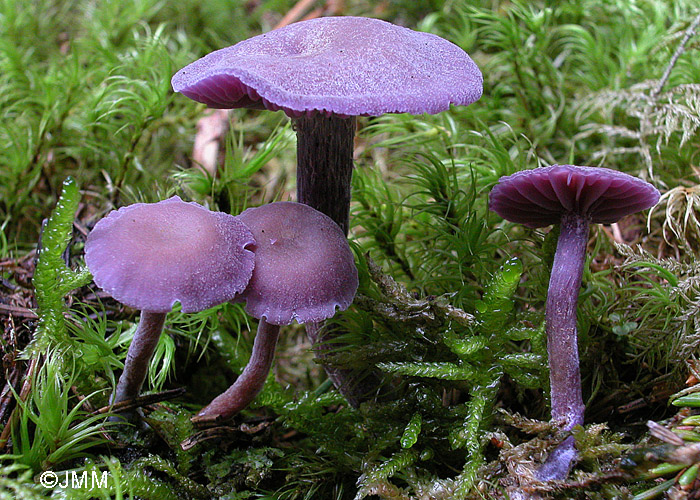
pixel 560 318
pixel 354 386
pixel 249 383
pixel 562 343
pixel 325 147
pixel 559 462
pixel 324 164
pixel 139 356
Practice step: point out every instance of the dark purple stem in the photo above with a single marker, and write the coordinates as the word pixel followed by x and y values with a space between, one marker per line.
pixel 139 356
pixel 562 343
pixel 249 384
pixel 355 387
pixel 325 147
pixel 324 164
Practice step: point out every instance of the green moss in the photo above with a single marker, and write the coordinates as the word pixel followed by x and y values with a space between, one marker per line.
pixel 52 278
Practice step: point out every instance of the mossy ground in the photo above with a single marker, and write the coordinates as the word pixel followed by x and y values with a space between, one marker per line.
pixel 451 298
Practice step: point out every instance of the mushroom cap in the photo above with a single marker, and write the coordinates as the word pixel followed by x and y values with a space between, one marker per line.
pixel 304 267
pixel 539 197
pixel 151 255
pixel 350 66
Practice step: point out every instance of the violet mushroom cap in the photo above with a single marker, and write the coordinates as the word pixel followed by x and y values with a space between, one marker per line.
pixel 539 197
pixel 304 272
pixel 323 72
pixel 573 197
pixel 349 66
pixel 304 268
pixel 150 256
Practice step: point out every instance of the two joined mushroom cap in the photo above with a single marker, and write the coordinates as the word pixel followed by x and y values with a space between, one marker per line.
pixel 304 268
pixel 539 197
pixel 151 255
pixel 345 65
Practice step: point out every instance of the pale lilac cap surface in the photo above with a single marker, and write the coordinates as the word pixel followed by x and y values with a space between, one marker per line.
pixel 304 268
pixel 151 255
pixel 539 197
pixel 349 66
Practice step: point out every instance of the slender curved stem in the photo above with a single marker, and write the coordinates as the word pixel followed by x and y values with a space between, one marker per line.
pixel 560 318
pixel 139 356
pixel 562 341
pixel 249 383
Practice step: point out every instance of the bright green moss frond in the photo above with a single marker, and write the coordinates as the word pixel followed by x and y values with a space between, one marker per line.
pixel 52 278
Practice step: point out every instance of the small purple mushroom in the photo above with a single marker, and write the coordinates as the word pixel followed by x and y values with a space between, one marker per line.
pixel 149 256
pixel 304 271
pixel 322 73
pixel 573 197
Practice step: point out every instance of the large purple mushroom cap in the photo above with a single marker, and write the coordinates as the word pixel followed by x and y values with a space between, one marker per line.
pixel 349 66
pixel 151 255
pixel 539 197
pixel 304 268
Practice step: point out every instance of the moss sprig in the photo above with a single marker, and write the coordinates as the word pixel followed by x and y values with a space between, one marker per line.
pixel 53 279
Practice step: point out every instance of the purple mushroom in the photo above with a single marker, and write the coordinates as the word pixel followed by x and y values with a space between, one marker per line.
pixel 322 73
pixel 573 197
pixel 149 256
pixel 304 271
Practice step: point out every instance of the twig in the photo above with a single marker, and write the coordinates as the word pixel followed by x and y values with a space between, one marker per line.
pixel 148 399
pixel 222 432
pixel 89 408
pixel 689 33
pixel 617 233
pixel 294 13
pixel 23 394
pixel 5 400
pixel 210 129
pixel 330 8
pixel 21 312
pixel 664 434
pixel 313 14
